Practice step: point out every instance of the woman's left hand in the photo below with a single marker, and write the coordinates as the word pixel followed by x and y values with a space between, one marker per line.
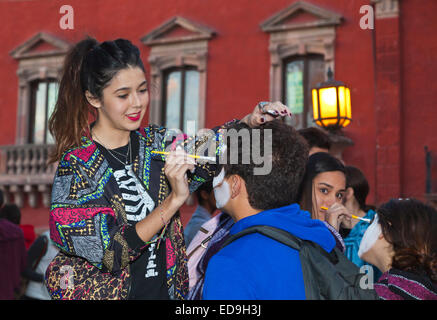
pixel 266 111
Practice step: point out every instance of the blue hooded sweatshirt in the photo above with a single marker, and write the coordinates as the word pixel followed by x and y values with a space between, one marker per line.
pixel 255 267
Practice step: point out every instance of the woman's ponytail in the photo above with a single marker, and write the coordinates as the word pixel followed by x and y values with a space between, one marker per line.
pixel 70 117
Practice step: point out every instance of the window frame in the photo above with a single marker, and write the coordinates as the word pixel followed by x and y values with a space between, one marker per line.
pixel 305 80
pixel 180 51
pixel 32 109
pixel 289 36
pixel 35 66
pixel 166 73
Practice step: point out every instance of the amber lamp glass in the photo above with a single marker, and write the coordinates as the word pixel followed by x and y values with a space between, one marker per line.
pixel 331 104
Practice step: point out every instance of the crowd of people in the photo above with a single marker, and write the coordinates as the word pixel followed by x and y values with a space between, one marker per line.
pixel 24 256
pixel 303 230
pixel 329 208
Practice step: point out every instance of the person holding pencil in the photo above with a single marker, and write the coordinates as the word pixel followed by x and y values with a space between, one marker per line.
pixel 114 211
pixel 322 193
pixel 355 201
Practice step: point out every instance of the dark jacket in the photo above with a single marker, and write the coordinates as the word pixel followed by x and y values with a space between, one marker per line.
pixel 12 258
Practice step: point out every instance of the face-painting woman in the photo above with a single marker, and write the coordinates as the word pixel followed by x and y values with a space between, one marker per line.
pixel 114 211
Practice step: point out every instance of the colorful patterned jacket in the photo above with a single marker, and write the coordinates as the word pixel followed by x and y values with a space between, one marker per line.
pixel 88 221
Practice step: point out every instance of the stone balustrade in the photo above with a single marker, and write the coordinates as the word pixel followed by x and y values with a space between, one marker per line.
pixel 24 172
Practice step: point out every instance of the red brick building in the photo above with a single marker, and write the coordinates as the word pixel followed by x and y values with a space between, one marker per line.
pixel 213 60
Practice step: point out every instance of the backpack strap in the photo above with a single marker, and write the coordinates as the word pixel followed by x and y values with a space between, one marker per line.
pixel 283 237
pixel 331 256
pixel 327 275
pixel 274 233
pixel 41 254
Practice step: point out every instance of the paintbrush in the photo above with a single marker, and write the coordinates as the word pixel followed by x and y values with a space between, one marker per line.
pixel 352 215
pixel 213 159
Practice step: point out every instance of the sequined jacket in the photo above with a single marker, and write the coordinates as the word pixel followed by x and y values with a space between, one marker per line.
pixel 88 220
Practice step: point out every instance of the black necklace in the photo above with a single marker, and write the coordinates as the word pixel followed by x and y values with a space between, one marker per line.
pixel 129 152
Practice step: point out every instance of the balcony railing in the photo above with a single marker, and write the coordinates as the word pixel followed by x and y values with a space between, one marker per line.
pixel 24 171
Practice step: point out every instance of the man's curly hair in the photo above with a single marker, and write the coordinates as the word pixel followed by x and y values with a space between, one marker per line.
pixel 289 156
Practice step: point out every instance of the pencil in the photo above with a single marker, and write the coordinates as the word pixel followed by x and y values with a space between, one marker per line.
pixel 359 218
pixel 352 215
pixel 190 155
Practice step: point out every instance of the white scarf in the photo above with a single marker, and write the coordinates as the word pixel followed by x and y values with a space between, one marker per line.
pixel 370 236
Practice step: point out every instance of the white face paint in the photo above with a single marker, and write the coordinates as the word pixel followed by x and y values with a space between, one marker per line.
pixel 370 236
pixel 222 190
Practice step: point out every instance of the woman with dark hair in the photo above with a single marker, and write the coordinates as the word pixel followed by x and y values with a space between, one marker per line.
pixel 114 211
pixel 352 231
pixel 322 192
pixel 402 243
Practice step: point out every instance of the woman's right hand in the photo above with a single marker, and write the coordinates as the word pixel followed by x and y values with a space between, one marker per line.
pixel 338 215
pixel 176 165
